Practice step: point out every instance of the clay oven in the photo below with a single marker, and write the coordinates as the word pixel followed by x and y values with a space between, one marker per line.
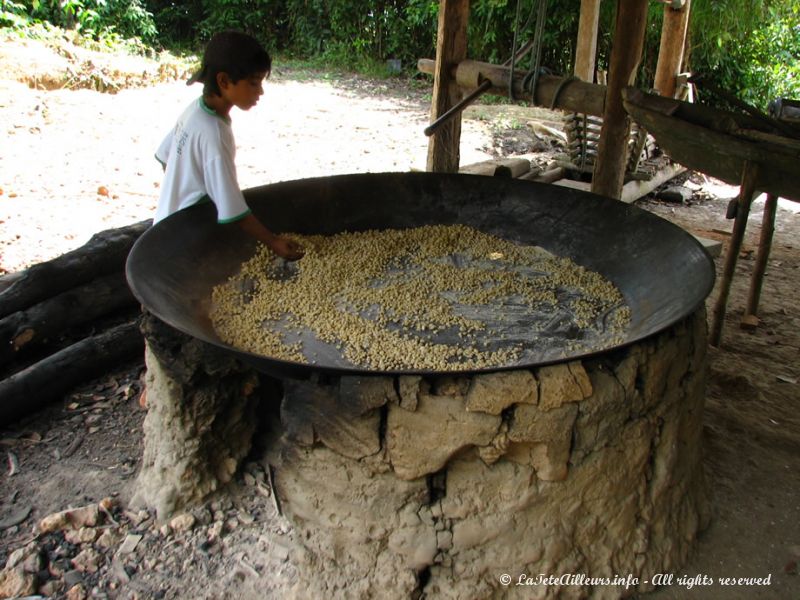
pixel 447 482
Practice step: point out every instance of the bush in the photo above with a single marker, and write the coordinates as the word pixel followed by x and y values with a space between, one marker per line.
pixel 362 31
pixel 97 19
pixel 748 48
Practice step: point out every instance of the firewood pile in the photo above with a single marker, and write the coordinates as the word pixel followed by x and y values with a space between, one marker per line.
pixel 65 321
pixel 516 168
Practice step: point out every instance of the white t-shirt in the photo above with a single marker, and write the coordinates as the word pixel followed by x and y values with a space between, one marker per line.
pixel 198 155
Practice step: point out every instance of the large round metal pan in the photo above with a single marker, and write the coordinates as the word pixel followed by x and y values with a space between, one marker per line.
pixel 663 273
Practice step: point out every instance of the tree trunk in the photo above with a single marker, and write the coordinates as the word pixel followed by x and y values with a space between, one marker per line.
pixel 47 320
pixel 49 379
pixel 104 253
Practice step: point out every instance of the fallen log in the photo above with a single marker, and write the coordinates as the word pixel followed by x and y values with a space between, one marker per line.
pixel 548 176
pixel 49 379
pixel 501 167
pixel 30 328
pixel 9 278
pixel 104 253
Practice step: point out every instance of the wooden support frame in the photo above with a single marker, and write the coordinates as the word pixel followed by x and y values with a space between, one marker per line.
pixel 764 247
pixel 451 49
pixel 671 49
pixel 626 53
pixel 558 92
pixel 746 193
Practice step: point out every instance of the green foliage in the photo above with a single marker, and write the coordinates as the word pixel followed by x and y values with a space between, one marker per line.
pixel 12 14
pixel 177 23
pixel 102 20
pixel 362 31
pixel 493 23
pixel 748 47
pixel 263 19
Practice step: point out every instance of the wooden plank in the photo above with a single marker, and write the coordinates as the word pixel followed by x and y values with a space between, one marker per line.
pixel 626 53
pixel 633 190
pixel 586 51
pixel 702 139
pixel 451 48
pixel 671 49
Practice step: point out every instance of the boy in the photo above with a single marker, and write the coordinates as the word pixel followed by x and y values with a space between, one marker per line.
pixel 198 160
pixel 198 154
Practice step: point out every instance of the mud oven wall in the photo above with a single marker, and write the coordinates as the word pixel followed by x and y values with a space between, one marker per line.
pixel 401 484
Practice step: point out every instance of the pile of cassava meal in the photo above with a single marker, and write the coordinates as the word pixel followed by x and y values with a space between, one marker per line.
pixel 410 299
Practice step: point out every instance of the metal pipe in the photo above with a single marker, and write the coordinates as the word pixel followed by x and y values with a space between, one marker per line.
pixel 457 108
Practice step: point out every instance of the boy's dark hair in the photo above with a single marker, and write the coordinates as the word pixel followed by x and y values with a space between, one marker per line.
pixel 232 52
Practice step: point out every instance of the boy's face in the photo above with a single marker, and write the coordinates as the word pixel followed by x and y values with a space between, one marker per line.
pixel 243 94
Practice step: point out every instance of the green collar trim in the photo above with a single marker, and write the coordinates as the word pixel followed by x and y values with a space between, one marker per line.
pixel 211 111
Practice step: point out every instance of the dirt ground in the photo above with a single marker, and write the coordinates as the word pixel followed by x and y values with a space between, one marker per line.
pixel 75 162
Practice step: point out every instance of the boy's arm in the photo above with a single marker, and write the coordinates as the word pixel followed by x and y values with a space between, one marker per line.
pixel 282 246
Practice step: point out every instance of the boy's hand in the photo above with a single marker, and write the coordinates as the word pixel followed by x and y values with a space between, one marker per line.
pixel 286 248
pixel 280 245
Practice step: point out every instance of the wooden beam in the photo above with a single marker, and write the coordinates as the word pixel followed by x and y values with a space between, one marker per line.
pixel 670 52
pixel 569 94
pixel 451 48
pixel 586 52
pixel 626 53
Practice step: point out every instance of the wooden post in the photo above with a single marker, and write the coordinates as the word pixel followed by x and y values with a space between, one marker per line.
pixel 626 53
pixel 764 246
pixel 586 51
pixel 670 52
pixel 451 48
pixel 746 192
